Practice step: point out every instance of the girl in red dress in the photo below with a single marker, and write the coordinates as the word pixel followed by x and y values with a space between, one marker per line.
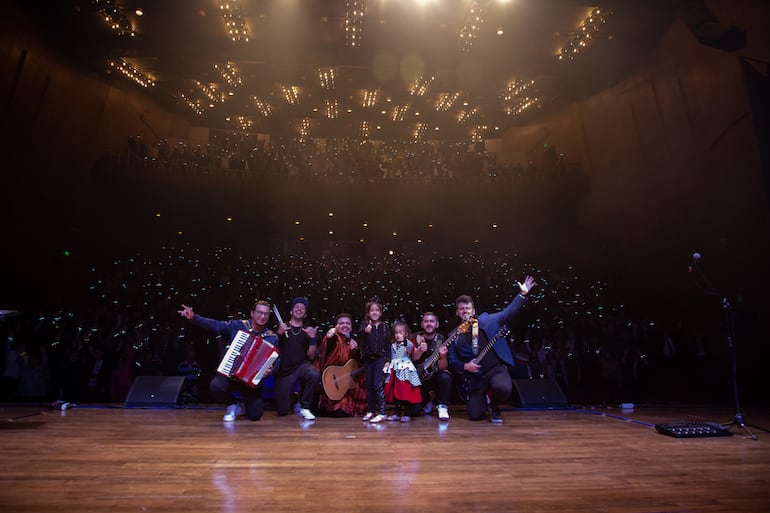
pixel 403 382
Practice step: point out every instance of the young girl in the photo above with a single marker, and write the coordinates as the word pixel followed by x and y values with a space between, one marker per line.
pixel 374 336
pixel 403 382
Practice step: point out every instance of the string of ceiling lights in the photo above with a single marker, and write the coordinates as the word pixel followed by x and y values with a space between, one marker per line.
pixel 518 96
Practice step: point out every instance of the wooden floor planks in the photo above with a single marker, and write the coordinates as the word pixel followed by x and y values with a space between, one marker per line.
pixel 90 459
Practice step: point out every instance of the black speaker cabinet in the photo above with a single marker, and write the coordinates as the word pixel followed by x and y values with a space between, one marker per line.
pixel 155 391
pixel 540 393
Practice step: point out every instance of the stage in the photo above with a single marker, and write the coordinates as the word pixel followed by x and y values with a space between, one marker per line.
pixel 100 458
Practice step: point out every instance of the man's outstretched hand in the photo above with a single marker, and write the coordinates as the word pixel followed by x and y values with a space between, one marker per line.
pixel 525 287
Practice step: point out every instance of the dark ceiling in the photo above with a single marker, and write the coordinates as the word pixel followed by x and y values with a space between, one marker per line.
pixel 180 43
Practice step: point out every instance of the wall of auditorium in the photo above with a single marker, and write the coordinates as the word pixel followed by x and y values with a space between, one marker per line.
pixel 672 158
pixel 66 115
pixel 58 119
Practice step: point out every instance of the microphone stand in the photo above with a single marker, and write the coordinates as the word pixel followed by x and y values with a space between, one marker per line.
pixel 738 419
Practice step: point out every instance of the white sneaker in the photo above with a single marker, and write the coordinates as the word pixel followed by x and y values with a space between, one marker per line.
pixel 306 414
pixel 406 418
pixel 367 417
pixel 443 412
pixel 232 411
pixel 377 418
pixel 494 415
pixel 394 417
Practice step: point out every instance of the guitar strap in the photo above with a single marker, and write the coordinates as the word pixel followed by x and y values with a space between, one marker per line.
pixel 437 341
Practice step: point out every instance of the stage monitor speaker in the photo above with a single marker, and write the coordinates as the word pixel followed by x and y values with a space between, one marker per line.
pixel 155 391
pixel 540 393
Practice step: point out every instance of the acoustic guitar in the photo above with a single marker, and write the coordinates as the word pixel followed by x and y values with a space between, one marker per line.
pixel 338 379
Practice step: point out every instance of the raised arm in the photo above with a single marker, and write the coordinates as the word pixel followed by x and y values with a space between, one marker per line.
pixel 187 312
pixel 524 288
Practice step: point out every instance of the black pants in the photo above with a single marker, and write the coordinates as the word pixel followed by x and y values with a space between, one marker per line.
pixel 496 384
pixel 375 385
pixel 308 377
pixel 221 388
pixel 441 384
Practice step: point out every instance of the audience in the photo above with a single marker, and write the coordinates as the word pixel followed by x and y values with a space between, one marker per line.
pixel 125 324
pixel 335 161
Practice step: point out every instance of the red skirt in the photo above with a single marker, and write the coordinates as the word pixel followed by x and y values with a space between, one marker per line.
pixel 396 390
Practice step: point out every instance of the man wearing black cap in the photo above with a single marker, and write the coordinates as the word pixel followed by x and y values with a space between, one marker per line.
pixel 297 346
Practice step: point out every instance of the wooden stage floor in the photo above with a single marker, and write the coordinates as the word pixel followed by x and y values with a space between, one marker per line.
pixel 111 458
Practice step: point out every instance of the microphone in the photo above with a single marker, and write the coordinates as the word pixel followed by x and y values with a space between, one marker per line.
pixel 695 259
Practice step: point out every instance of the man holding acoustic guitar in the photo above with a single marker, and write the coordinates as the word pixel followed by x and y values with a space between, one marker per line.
pixel 343 393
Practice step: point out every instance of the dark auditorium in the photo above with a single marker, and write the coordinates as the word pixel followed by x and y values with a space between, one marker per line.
pixel 249 242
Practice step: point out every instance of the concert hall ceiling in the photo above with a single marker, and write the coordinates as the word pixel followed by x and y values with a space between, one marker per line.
pixel 379 69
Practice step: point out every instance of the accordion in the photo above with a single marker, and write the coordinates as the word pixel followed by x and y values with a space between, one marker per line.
pixel 248 359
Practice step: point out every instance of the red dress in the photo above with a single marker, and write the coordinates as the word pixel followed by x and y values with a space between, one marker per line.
pixel 403 383
pixel 353 403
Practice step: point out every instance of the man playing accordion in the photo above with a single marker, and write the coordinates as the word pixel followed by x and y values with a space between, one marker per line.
pixel 221 386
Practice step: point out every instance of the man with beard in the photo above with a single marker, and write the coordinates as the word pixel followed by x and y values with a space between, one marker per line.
pixel 436 379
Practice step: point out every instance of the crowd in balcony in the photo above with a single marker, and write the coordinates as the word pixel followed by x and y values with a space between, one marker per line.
pixel 338 160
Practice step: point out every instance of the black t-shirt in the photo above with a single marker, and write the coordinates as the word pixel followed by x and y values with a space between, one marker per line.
pixel 433 344
pixel 293 350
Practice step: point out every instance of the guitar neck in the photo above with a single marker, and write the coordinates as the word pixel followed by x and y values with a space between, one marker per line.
pixel 433 358
pixel 489 345
pixel 459 331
